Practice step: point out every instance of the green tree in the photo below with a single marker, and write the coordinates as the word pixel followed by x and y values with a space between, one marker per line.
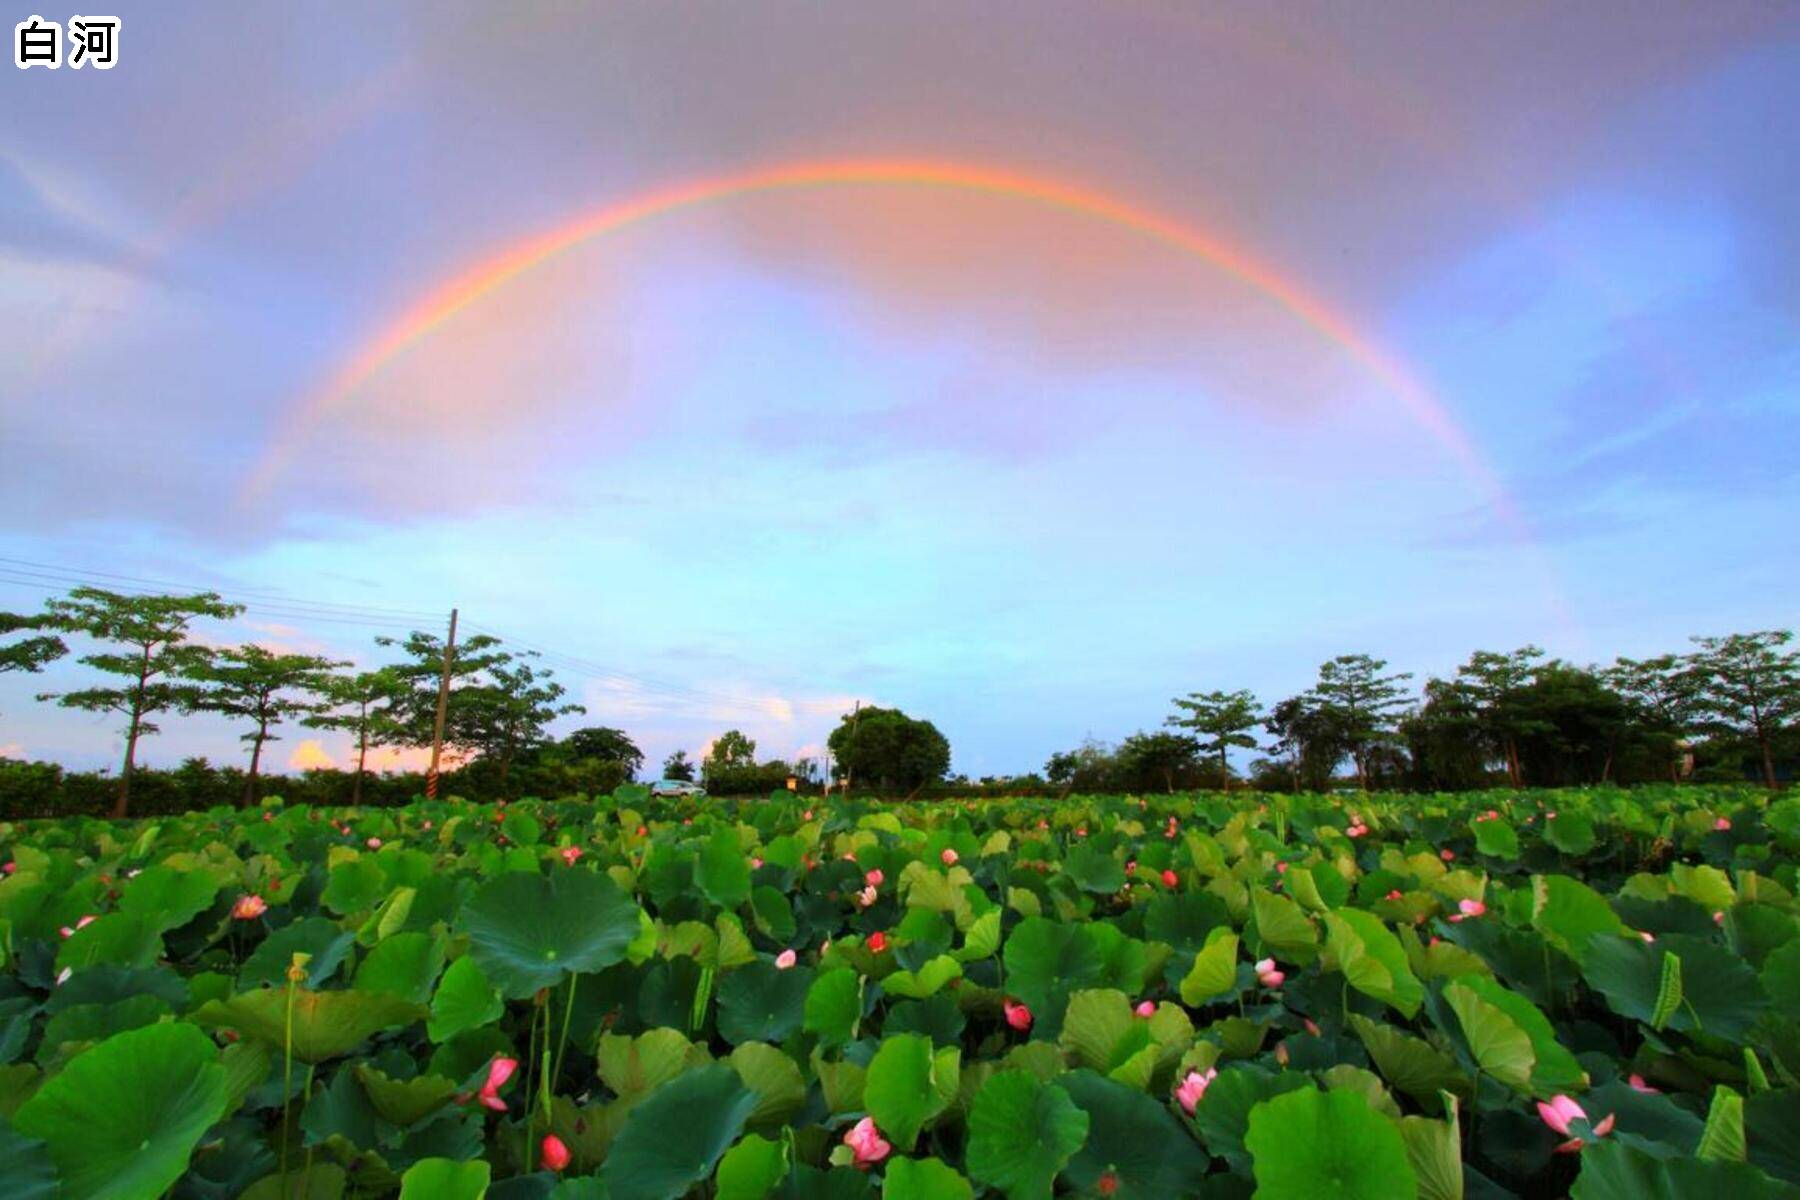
pixel 266 689
pixel 156 661
pixel 506 713
pixel 1148 759
pixel 731 750
pixel 886 747
pixel 1360 703
pixel 677 766
pixel 1747 687
pixel 1446 739
pixel 605 744
pixel 1663 691
pixel 413 711
pixel 361 705
pixel 1220 720
pixel 1493 684
pixel 31 653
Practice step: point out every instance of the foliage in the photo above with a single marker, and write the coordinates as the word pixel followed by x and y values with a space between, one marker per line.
pixel 888 750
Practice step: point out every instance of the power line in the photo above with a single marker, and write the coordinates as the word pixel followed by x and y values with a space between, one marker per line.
pixel 261 594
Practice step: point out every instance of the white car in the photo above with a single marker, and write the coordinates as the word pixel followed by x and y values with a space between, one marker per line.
pixel 676 787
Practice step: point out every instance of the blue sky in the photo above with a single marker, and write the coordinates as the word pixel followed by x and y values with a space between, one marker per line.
pixel 1022 472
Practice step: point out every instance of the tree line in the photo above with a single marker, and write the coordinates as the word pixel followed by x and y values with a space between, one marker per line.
pixel 500 703
pixel 1521 718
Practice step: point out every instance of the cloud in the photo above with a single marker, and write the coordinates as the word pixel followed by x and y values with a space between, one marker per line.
pixel 311 755
pixel 12 750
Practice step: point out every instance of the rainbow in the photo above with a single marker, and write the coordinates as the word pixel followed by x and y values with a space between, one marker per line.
pixel 471 286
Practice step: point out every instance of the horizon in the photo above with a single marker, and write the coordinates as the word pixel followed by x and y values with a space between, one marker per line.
pixel 1023 375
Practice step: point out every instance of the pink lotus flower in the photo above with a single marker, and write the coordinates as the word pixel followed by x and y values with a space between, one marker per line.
pixel 642 830
pixel 268 816
pixel 1193 1088
pixel 874 878
pixel 1647 936
pixel 867 896
pixel 62 976
pixel 1081 831
pixel 1356 831
pixel 1394 894
pixel 373 843
pixel 786 959
pixel 1637 1083
pixel 948 857
pixel 1718 918
pixel 499 1071
pixel 81 924
pixel 426 827
pixel 570 854
pixel 1267 974
pixel 1468 908
pixel 249 907
pixel 1171 879
pixel 877 941
pixel 1281 868
pixel 554 1153
pixel 1312 1026
pixel 807 815
pixel 755 863
pixel 1447 855
pixel 866 1142
pixel 1560 1111
pixel 1017 1015
pixel 1145 1008
pixel 1722 824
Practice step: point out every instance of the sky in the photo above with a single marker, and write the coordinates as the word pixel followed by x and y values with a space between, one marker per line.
pixel 1093 354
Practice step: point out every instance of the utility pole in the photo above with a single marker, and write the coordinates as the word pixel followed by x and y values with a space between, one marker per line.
pixel 437 727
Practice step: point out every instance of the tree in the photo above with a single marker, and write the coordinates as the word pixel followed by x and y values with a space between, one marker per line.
pixel 884 745
pixel 157 668
pixel 1146 759
pixel 413 711
pixel 32 653
pixel 1747 686
pixel 731 750
pixel 1223 717
pixel 507 712
pixel 362 706
pixel 1310 738
pixel 607 745
pixel 677 766
pixel 1445 739
pixel 1361 703
pixel 265 689
pixel 1663 691
pixel 1493 683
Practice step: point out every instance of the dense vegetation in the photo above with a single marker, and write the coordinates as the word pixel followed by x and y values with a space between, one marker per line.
pixel 1485 994
pixel 1725 712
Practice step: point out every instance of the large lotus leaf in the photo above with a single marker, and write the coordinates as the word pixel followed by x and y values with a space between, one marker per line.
pixel 326 942
pixel 675 1136
pixel 1133 1138
pixel 445 1179
pixel 1308 1144
pixel 169 898
pixel 1555 1069
pixel 934 974
pixel 775 1078
pixel 834 1006
pixel 325 1024
pixel 1282 929
pixel 1501 1048
pixel 355 886
pixel 404 965
pixel 1183 920
pixel 1094 870
pixel 1569 912
pixel 123 939
pixel 762 1003
pixel 751 1169
pixel 464 1000
pixel 1720 993
pixel 722 870
pixel 121 1119
pixel 25 1166
pixel 634 1066
pixel 1411 1064
pixel 1612 1170
pixel 924 1179
pixel 1435 1150
pixel 1496 839
pixel 1101 1031
pixel 1372 959
pixel 1022 1131
pixel 1570 832
pixel 900 1091
pixel 1223 1114
pixel 108 984
pixel 1772 1131
pixel 321 1181
pixel 96 1022
pixel 1215 969
pixel 404 1101
pixel 1044 958
pixel 531 931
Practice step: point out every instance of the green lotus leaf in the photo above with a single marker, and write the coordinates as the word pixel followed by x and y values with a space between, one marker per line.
pixel 775 1078
pixel 1044 959
pixel 325 942
pixel 532 931
pixel 1282 929
pixel 1101 1031
pixel 1022 1132
pixel 325 1024
pixel 404 1101
pixel 762 1003
pixel 1132 1138
pixel 404 965
pixel 106 1146
pixel 1215 969
pixel 464 1000
pixel 901 1090
pixel 924 1179
pixel 1720 992
pixel 751 1169
pixel 926 981
pixel 722 870
pixel 122 939
pixel 635 1066
pixel 1612 1170
pixel 833 1006
pixel 1569 912
pixel 323 1181
pixel 25 1166
pixel 445 1179
pixel 1308 1143
pixel 1372 959
pixel 674 1137
pixel 1223 1114
pixel 168 898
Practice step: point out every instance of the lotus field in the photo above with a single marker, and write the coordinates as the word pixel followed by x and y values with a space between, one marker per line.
pixel 1588 993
